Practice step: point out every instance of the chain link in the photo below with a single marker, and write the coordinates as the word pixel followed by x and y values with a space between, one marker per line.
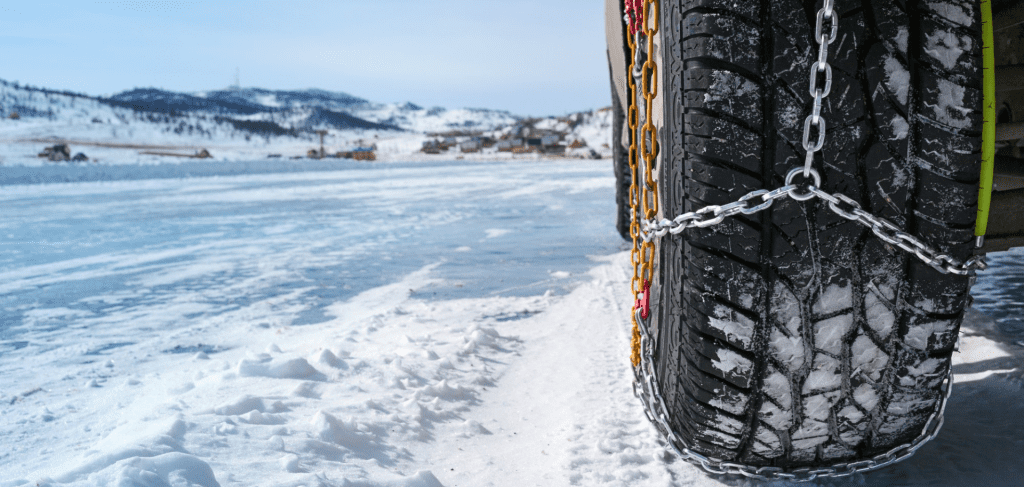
pixel 839 203
pixel 819 68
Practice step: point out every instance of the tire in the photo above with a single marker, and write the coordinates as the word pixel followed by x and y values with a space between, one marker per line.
pixel 793 337
pixel 620 165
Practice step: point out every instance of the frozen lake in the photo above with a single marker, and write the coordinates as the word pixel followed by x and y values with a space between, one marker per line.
pixel 999 292
pixel 167 252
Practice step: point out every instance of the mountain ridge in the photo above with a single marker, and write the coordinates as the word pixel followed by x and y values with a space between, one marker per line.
pixel 275 112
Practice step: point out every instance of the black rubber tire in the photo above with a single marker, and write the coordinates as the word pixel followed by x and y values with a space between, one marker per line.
pixel 794 337
pixel 620 165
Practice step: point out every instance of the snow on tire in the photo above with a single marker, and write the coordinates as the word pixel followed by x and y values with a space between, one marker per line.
pixel 793 337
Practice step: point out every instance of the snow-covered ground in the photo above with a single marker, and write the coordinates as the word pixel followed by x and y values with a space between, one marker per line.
pixel 456 323
pixel 119 145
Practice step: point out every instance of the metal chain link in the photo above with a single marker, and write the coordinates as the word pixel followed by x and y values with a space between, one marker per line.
pixel 819 67
pixel 839 203
pixel 645 229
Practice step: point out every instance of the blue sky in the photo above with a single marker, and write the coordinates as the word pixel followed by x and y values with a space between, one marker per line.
pixel 528 57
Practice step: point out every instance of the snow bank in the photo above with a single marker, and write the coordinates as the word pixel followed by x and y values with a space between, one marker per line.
pixel 399 391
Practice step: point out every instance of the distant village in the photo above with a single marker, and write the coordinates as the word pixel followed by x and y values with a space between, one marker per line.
pixel 552 137
pixel 525 137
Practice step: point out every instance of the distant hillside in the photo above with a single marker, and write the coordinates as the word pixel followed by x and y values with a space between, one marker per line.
pixel 300 110
pixel 154 100
pixel 264 99
pixel 313 109
pixel 232 112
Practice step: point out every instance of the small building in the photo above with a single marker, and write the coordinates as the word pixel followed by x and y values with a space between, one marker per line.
pixel 56 153
pixel 470 146
pixel 431 147
pixel 549 140
pixel 525 149
pixel 364 154
pixel 554 149
pixel 508 145
pixel 360 154
pixel 577 143
pixel 14 116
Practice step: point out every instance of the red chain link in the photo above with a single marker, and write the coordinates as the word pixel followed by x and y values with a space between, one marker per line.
pixel 635 11
pixel 644 303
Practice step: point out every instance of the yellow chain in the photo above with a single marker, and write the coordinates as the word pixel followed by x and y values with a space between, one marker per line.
pixel 642 254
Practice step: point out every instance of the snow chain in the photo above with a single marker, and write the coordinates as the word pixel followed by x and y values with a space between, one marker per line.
pixel 641 16
pixel 642 150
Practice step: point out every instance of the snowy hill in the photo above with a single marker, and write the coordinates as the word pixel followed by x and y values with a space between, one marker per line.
pixel 154 100
pixel 314 109
pixel 214 111
pixel 30 112
pixel 263 99
pixel 417 119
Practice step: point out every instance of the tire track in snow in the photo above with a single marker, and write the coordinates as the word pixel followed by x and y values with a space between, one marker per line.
pixel 563 413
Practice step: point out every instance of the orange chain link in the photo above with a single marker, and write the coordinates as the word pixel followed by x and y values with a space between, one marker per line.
pixel 643 147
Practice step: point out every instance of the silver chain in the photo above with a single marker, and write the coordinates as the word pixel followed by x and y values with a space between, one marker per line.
pixel 646 384
pixel 882 228
pixel 820 66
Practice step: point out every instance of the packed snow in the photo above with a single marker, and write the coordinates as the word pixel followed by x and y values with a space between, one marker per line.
pixel 455 323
